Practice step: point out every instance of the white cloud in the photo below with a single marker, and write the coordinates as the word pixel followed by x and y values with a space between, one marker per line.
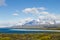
pixel 6 24
pixel 42 8
pixel 3 3
pixel 34 10
pixel 30 10
pixel 28 19
pixel 44 13
pixel 58 17
pixel 42 17
pixel 23 21
pixel 15 14
pixel 41 13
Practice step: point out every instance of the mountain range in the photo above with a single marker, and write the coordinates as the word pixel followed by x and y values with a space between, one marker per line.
pixel 36 24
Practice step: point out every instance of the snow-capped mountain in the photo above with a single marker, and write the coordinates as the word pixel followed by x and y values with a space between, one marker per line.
pixel 34 24
pixel 38 22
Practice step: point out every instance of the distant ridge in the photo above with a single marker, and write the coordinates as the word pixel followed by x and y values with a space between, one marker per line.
pixel 37 24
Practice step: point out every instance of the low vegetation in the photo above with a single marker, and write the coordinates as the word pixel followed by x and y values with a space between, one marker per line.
pixel 51 28
pixel 31 36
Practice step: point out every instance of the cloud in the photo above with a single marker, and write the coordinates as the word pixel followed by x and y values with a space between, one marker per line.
pixel 6 24
pixel 41 17
pixel 42 8
pixel 33 10
pixel 44 13
pixel 41 12
pixel 30 10
pixel 37 11
pixel 16 13
pixel 23 21
pixel 3 3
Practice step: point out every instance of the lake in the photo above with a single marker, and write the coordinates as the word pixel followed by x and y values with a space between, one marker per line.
pixel 23 31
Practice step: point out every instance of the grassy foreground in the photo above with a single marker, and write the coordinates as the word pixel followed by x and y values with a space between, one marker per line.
pixel 36 36
pixel 51 28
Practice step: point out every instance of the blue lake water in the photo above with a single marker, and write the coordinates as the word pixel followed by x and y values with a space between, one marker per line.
pixel 5 30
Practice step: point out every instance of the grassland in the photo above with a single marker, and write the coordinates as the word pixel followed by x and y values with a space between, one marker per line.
pixel 50 28
pixel 31 36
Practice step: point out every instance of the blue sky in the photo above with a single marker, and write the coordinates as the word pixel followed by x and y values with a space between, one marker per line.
pixel 12 10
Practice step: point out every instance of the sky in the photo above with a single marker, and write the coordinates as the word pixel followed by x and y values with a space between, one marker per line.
pixel 13 11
